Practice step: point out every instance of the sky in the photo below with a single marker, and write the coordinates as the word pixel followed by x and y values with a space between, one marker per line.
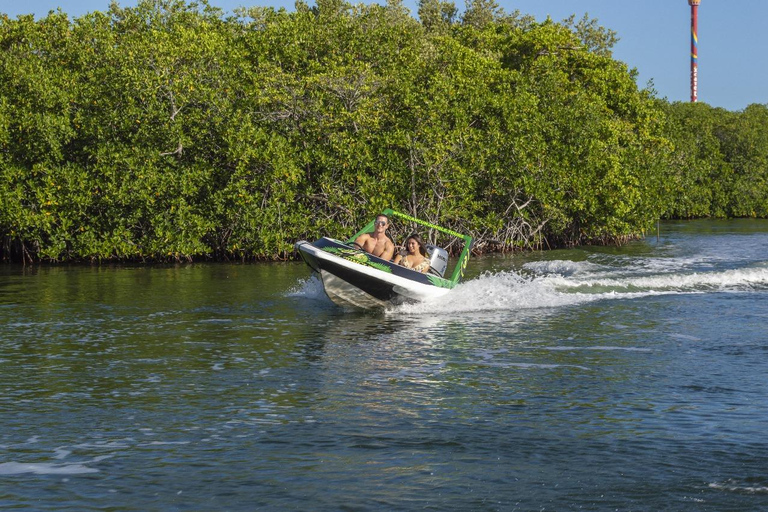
pixel 654 38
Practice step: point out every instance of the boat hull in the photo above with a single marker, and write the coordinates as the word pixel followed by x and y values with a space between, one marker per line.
pixel 352 277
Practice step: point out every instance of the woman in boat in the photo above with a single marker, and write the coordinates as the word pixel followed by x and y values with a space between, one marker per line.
pixel 416 257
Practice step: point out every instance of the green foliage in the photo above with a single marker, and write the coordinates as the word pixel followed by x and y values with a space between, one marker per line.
pixel 719 167
pixel 166 131
pixel 481 13
pixel 437 15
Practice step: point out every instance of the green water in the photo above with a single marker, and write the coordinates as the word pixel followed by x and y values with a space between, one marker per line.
pixel 627 378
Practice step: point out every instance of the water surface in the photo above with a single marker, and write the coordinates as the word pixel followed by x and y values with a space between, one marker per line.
pixel 628 378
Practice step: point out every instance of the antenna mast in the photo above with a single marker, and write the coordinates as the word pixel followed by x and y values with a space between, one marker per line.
pixel 694 49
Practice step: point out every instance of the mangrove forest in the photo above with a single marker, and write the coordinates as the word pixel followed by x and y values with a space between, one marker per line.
pixel 170 131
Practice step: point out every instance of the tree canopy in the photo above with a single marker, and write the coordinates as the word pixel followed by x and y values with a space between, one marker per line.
pixel 171 131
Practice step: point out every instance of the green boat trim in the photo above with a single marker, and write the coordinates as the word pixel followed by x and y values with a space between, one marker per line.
pixel 461 264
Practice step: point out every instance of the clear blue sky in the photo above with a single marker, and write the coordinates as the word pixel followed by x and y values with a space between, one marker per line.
pixel 654 38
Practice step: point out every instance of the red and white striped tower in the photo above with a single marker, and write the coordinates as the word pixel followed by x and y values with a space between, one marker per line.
pixel 694 49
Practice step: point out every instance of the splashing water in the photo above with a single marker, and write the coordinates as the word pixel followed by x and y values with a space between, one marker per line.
pixel 587 276
pixel 310 288
pixel 507 290
pixel 561 283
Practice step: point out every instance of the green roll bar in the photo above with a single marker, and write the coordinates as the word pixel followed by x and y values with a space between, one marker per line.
pixel 461 264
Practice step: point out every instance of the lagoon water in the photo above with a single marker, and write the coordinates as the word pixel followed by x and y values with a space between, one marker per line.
pixel 631 378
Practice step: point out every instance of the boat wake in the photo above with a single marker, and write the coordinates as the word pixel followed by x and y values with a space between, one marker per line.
pixel 727 280
pixel 557 284
pixel 562 283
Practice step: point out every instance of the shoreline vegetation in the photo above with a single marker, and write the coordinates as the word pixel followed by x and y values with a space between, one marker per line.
pixel 170 132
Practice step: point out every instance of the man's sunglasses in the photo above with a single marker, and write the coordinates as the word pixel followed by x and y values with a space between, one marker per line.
pixel 380 223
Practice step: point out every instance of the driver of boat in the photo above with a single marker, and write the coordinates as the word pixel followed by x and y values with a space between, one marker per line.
pixel 416 256
pixel 377 243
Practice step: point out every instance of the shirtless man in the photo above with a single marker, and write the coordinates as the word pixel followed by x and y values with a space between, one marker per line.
pixel 377 243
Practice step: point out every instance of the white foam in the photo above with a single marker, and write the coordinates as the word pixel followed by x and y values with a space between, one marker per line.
pixel 563 267
pixel 311 288
pixel 667 265
pixel 733 486
pixel 495 292
pixel 735 279
pixel 42 468
pixel 510 290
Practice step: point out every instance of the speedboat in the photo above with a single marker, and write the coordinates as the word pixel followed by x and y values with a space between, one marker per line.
pixel 354 278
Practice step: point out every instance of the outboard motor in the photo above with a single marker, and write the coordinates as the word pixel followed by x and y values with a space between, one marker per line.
pixel 438 260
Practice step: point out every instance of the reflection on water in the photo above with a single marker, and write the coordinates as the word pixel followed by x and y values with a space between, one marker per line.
pixel 625 378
